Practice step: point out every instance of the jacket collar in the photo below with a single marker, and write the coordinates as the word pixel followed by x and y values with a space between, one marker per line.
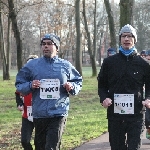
pixel 51 59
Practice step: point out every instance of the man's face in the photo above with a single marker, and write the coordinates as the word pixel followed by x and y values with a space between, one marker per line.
pixel 48 48
pixel 143 56
pixel 148 57
pixel 127 41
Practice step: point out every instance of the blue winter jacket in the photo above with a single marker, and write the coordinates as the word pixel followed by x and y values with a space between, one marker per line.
pixel 48 68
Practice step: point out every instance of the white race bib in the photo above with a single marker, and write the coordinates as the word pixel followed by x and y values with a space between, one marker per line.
pixel 29 113
pixel 50 89
pixel 124 103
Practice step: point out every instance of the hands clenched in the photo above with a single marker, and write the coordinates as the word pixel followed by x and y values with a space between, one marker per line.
pixel 107 102
pixel 20 108
pixel 146 103
pixel 68 86
pixel 35 84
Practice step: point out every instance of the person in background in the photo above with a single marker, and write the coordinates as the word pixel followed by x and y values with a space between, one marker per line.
pixel 143 53
pixel 111 52
pixel 147 123
pixel 147 113
pixel 120 88
pixel 50 80
pixel 147 55
pixel 24 104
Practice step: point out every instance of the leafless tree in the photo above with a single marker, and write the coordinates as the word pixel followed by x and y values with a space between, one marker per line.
pixel 112 29
pixel 91 48
pixel 5 51
pixel 78 60
pixel 126 12
pixel 13 17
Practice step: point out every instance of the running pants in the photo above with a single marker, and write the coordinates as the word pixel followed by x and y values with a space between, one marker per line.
pixel 48 132
pixel 125 135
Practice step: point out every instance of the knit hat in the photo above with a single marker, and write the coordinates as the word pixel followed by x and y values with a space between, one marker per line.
pixel 111 51
pixel 54 38
pixel 143 52
pixel 31 57
pixel 129 29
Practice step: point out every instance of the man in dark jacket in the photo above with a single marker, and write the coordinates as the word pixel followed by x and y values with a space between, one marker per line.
pixel 120 87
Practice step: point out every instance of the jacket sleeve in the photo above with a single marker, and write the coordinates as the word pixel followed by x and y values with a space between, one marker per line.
pixel 23 81
pixel 19 100
pixel 103 82
pixel 76 80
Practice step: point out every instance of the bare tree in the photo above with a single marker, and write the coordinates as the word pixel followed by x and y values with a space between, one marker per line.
pixel 32 24
pixel 4 53
pixel 12 16
pixel 91 49
pixel 112 30
pixel 126 12
pixel 94 70
pixel 78 60
pixel 7 74
pixel 141 22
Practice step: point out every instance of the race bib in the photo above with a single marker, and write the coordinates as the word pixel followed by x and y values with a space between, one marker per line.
pixel 124 103
pixel 50 89
pixel 29 113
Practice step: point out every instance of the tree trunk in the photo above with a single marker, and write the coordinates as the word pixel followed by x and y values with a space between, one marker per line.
pixel 94 69
pixel 113 42
pixel 126 12
pixel 2 49
pixel 7 75
pixel 91 53
pixel 78 60
pixel 12 16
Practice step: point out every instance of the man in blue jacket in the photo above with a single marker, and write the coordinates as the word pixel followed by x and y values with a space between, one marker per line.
pixel 50 80
pixel 120 88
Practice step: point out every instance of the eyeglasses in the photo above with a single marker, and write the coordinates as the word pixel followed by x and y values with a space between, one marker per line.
pixel 47 43
pixel 128 36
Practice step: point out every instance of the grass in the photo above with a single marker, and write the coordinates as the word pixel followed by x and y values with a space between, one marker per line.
pixel 86 120
pixel 10 118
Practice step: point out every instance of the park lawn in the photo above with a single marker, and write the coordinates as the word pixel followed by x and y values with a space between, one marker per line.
pixel 86 120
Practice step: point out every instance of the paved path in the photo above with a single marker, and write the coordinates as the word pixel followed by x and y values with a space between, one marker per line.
pixel 101 143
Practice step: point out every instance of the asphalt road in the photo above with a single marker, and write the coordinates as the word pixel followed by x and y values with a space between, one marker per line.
pixel 102 143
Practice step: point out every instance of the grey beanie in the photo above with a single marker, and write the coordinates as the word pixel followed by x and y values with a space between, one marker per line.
pixel 128 28
pixel 31 57
pixel 54 38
